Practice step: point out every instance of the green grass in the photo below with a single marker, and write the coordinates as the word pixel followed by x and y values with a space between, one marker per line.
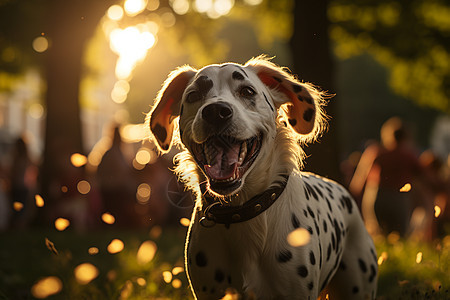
pixel 25 259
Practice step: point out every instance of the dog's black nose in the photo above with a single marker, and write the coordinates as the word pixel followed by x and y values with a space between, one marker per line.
pixel 217 114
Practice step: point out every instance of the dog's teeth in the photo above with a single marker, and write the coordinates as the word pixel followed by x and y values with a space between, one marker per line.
pixel 243 153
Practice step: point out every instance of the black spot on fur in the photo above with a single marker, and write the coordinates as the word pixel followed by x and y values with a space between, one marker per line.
pixel 325 227
pixel 284 256
pixel 320 255
pixel 333 241
pixel 160 132
pixel 295 221
pixel 305 213
pixel 311 213
pixel 342 266
pixel 317 227
pixel 373 273
pixel 338 234
pixel 200 259
pixel 355 290
pixel 306 193
pixel 271 107
pixel 309 100
pixel 318 191
pixel 374 256
pixel 310 230
pixel 204 85
pixel 362 265
pixel 219 276
pixel 302 271
pixel 237 76
pixel 243 71
pixel 328 252
pixel 311 191
pixel 293 122
pixel 347 202
pixel 312 258
pixel 329 204
pixel 297 88
pixel 310 285
pixel 300 98
pixel 308 114
pixel 204 288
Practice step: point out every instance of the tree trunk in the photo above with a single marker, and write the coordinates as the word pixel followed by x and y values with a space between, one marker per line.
pixel 70 25
pixel 313 63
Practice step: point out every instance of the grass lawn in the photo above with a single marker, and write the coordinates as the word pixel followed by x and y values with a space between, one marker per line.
pixel 83 267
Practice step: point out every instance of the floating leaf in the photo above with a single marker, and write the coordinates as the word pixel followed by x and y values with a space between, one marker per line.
pixel 51 246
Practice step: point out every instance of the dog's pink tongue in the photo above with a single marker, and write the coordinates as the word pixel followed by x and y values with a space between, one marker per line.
pixel 224 163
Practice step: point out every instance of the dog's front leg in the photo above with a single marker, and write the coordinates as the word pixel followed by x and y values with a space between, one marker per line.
pixel 213 267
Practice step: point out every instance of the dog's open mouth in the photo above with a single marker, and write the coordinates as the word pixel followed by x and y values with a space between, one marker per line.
pixel 225 160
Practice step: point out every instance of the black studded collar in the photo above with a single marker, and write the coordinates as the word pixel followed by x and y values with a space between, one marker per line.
pixel 218 212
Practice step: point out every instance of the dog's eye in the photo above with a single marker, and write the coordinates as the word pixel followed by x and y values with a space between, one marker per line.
pixel 193 96
pixel 247 92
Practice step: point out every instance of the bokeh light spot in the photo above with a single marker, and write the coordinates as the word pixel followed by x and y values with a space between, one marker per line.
pixel 177 270
pixel 61 224
pixel 419 257
pixel 406 188
pixel 93 250
pixel 39 200
pixel 18 206
pixel 141 281
pixel 185 222
pixel 134 7
pixel 146 252
pixel 40 44
pixel 167 276
pixel 78 160
pixel 85 273
pixel 298 237
pixel 437 211
pixel 46 287
pixel 115 13
pixel 84 187
pixel 108 218
pixel 115 246
pixel 176 283
pixel 143 156
pixel 143 193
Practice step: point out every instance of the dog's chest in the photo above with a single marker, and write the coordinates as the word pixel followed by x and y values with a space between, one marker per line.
pixel 256 256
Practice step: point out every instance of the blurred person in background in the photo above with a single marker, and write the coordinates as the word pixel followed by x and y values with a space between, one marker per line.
pixel 385 178
pixel 117 184
pixel 23 175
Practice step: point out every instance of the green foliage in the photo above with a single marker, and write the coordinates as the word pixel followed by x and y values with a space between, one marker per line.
pixel 413 270
pixel 24 259
pixel 410 38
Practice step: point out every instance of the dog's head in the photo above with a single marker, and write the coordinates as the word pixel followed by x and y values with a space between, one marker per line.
pixel 229 117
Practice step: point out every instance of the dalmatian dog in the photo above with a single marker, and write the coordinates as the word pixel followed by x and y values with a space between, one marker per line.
pixel 240 128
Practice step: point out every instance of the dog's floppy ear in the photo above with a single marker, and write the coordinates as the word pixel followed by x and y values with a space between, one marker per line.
pixel 301 102
pixel 167 106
